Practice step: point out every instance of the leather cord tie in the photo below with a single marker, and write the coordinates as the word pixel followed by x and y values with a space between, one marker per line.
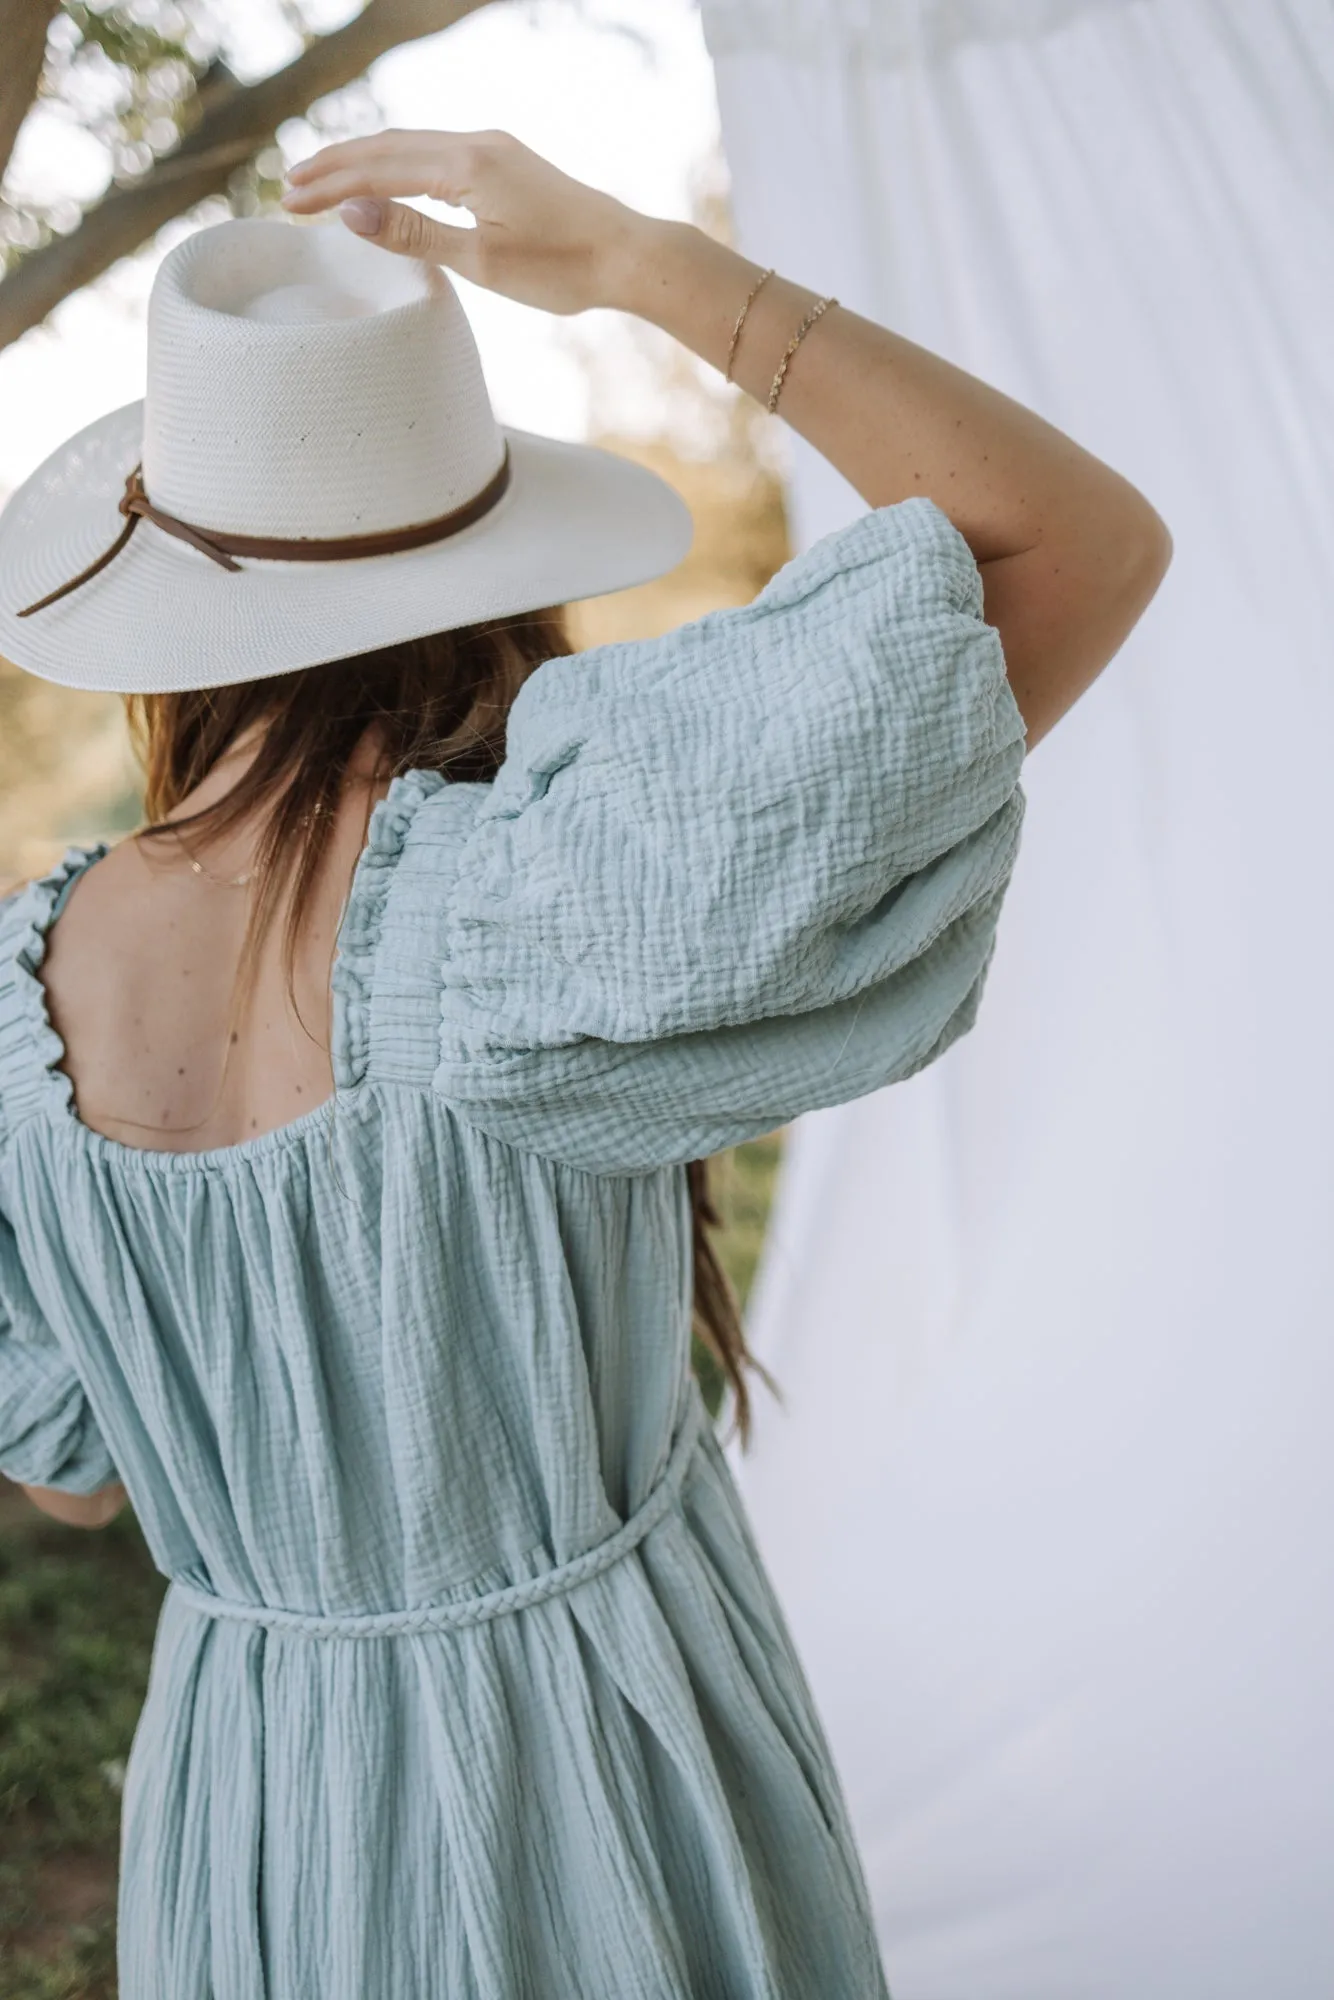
pixel 220 548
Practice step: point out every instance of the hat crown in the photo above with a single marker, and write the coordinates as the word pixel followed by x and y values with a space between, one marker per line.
pixel 303 383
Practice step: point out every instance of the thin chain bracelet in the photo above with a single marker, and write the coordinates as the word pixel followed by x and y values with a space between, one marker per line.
pixel 817 311
pixel 751 297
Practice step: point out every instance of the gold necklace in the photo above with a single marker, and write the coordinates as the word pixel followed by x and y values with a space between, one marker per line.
pixel 197 867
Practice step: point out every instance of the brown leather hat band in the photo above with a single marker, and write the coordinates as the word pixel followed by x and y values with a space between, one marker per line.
pixel 136 506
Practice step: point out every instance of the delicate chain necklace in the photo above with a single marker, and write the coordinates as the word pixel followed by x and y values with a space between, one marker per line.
pixel 247 876
pixel 197 867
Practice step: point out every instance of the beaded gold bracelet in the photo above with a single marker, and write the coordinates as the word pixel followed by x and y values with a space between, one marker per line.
pixel 820 307
pixel 751 297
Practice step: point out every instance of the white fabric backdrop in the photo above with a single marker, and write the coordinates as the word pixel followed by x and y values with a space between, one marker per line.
pixel 1051 1503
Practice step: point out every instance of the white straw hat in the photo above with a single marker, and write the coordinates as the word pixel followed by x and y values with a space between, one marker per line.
pixel 306 390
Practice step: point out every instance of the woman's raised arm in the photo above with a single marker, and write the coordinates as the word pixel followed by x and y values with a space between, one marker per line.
pixel 1070 553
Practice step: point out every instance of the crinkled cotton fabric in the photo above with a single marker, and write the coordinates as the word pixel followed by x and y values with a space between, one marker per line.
pixel 385 1383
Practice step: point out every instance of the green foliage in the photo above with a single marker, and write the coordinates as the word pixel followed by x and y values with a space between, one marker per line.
pixel 80 1966
pixel 742 1184
pixel 132 42
pixel 745 1186
pixel 77 1615
pixel 129 77
pixel 132 84
pixel 137 78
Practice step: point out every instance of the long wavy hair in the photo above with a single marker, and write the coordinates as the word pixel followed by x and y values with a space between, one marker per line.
pixel 438 704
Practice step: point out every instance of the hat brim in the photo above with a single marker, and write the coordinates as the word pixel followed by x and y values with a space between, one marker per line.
pixel 161 617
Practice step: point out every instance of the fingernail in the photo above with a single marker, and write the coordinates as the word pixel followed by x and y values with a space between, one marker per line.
pixel 364 217
pixel 289 197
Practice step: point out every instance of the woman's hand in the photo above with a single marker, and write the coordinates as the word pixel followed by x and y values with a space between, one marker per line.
pixel 541 237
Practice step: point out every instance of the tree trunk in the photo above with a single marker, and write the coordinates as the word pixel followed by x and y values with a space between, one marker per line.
pixel 238 120
pixel 23 26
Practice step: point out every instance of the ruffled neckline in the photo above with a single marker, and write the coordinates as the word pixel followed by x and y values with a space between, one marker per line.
pixel 32 1054
pixel 353 977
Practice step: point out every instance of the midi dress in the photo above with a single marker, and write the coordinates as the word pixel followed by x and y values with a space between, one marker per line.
pixel 469 1683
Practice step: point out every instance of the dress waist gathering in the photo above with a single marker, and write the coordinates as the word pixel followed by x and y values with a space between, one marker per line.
pixel 485 1605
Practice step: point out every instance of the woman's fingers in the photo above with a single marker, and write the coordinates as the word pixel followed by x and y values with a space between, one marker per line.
pixel 443 164
pixel 382 180
pixel 541 237
pixel 395 227
pixel 389 144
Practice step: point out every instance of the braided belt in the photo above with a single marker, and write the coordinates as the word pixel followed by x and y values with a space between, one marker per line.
pixel 488 1604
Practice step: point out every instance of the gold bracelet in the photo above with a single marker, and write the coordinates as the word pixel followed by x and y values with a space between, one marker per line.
pixel 820 307
pixel 751 297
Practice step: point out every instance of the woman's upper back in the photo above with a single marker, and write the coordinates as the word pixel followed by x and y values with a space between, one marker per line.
pixel 141 969
pixel 721 878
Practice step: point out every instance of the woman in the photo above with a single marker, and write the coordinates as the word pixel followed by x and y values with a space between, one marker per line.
pixel 373 1284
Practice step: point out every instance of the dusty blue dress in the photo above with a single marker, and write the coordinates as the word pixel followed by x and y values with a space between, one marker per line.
pixel 469 1685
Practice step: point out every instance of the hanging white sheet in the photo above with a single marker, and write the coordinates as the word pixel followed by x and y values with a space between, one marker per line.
pixel 1051 1504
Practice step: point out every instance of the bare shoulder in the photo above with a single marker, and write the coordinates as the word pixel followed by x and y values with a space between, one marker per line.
pixel 115 922
pixel 135 977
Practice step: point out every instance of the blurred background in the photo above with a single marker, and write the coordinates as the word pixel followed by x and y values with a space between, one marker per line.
pixel 125 127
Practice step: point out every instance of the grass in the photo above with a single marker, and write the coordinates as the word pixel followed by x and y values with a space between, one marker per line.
pixel 77 1615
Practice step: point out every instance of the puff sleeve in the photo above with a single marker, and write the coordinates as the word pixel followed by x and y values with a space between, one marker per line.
pixel 48 1436
pixel 743 871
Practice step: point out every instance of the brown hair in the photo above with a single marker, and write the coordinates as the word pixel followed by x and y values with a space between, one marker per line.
pixel 439 704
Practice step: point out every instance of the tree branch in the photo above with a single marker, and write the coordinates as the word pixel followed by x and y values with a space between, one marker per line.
pixel 238 120
pixel 23 26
